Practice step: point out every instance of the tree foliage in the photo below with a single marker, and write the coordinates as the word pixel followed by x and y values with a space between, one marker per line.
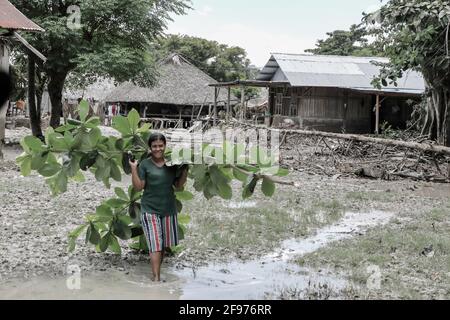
pixel 353 42
pixel 415 35
pixel 112 41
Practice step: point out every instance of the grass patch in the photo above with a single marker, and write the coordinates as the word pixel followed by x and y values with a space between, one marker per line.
pixel 413 258
pixel 378 196
pixel 258 229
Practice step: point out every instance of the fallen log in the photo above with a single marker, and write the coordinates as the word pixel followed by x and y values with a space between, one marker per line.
pixel 436 149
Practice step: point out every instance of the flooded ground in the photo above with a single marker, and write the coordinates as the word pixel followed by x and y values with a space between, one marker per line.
pixel 237 280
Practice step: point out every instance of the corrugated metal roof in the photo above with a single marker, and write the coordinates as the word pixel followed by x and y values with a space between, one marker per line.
pixel 11 18
pixel 335 71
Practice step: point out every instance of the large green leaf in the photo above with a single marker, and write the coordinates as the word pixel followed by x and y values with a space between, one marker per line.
pixel 179 205
pixel 225 191
pixel 49 169
pixel 133 120
pixel 74 235
pixel 181 232
pixel 94 136
pixel 114 245
pixel 116 203
pixel 121 194
pixel 122 125
pixel 88 160
pixel 136 232
pixel 61 182
pixel 103 170
pixel 144 128
pixel 93 122
pixel 104 211
pixel 38 160
pixel 47 132
pixel 210 190
pixel 25 166
pixel 74 165
pixel 68 138
pixel 78 230
pixel 240 175
pixel 83 109
pixel 268 187
pixel 221 181
pixel 249 188
pixel 104 242
pixel 133 194
pixel 79 177
pixel 282 172
pixel 184 195
pixel 33 143
pixel 134 210
pixel 115 171
pixel 57 142
pixel 184 219
pixel 92 235
pixel 126 163
pixel 71 245
pixel 122 230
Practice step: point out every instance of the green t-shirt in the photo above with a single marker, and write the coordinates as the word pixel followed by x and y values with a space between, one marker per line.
pixel 159 196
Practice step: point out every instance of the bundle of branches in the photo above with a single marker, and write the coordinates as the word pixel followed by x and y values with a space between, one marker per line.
pixel 335 154
pixel 335 157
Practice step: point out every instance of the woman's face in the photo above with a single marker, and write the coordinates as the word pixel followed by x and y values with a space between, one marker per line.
pixel 158 149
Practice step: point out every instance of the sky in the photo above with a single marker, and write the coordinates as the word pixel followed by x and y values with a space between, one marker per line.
pixel 265 26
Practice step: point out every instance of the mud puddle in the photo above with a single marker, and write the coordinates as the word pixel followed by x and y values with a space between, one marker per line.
pixel 236 280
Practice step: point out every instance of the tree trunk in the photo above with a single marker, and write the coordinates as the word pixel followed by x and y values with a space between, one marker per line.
pixel 446 124
pixel 35 120
pixel 55 88
pixel 40 87
pixel 3 110
pixel 439 108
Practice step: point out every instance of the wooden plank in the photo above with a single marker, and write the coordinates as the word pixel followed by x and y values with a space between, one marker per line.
pixel 228 105
pixel 244 111
pixel 216 94
pixel 30 47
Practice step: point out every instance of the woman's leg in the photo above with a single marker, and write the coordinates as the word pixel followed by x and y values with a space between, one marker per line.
pixel 156 258
pixel 151 224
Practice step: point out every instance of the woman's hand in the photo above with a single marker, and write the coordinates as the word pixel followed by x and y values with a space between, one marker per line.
pixel 138 184
pixel 133 164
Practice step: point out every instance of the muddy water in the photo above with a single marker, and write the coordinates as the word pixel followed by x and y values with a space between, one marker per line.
pixel 236 280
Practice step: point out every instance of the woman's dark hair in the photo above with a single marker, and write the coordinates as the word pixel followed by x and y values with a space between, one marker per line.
pixel 155 137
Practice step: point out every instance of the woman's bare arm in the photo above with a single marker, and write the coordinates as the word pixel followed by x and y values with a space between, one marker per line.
pixel 181 181
pixel 138 184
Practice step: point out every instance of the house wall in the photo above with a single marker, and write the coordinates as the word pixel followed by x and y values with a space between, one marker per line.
pixel 334 110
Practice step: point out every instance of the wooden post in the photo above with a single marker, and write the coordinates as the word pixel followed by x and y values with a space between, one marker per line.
pixel 215 106
pixel 243 108
pixel 229 105
pixel 344 111
pixel 377 115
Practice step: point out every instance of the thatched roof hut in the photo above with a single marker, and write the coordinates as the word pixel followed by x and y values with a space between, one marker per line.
pixel 180 84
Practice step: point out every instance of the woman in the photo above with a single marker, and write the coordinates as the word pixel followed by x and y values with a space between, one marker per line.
pixel 158 206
